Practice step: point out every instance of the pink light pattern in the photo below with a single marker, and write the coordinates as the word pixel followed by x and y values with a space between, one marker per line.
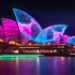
pixel 64 37
pixel 25 29
pixel 51 33
pixel 24 41
pixel 29 27
pixel 11 31
pixel 1 32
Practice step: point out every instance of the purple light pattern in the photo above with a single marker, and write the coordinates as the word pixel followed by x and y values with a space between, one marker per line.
pixel 11 31
pixel 1 32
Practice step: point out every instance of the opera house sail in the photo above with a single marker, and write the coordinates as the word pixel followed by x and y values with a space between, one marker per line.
pixel 12 33
pixel 31 29
pixel 51 33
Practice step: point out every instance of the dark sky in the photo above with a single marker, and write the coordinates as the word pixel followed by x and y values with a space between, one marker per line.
pixel 46 12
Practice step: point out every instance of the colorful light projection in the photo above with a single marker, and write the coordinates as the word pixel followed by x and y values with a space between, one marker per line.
pixel 33 31
pixel 24 41
pixel 14 43
pixel 1 34
pixel 29 27
pixel 64 37
pixel 10 28
pixel 71 40
pixel 51 33
pixel 12 32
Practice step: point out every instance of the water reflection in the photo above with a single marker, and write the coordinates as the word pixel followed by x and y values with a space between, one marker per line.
pixel 17 66
pixel 38 66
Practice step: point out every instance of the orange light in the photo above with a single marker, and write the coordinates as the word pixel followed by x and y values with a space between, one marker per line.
pixel 40 51
pixel 16 51
pixel 17 44
pixel 45 51
pixel 1 40
pixel 14 43
pixel 11 42
pixel 30 44
pixel 51 51
pixel 62 58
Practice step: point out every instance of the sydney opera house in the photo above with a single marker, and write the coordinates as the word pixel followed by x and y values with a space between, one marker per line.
pixel 25 35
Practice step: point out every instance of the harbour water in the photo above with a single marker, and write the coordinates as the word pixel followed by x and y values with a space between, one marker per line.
pixel 38 66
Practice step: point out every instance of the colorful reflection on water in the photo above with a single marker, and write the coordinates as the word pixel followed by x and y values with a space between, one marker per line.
pixel 37 66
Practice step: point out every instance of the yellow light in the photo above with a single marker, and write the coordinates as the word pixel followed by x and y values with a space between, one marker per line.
pixel 11 42
pixel 14 43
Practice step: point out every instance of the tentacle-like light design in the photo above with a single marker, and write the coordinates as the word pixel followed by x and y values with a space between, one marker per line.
pixel 71 40
pixel 51 33
pixel 29 27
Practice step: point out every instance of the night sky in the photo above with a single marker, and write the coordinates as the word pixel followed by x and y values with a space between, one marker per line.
pixel 46 12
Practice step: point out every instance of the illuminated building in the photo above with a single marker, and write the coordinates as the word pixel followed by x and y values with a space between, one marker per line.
pixel 64 37
pixel 10 32
pixel 27 36
pixel 31 29
pixel 27 24
pixel 71 40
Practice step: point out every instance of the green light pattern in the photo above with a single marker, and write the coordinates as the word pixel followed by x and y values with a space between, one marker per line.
pixel 20 58
pixel 21 55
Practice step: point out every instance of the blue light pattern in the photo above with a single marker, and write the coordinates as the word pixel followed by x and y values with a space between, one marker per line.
pixel 27 24
pixel 71 40
pixel 49 34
